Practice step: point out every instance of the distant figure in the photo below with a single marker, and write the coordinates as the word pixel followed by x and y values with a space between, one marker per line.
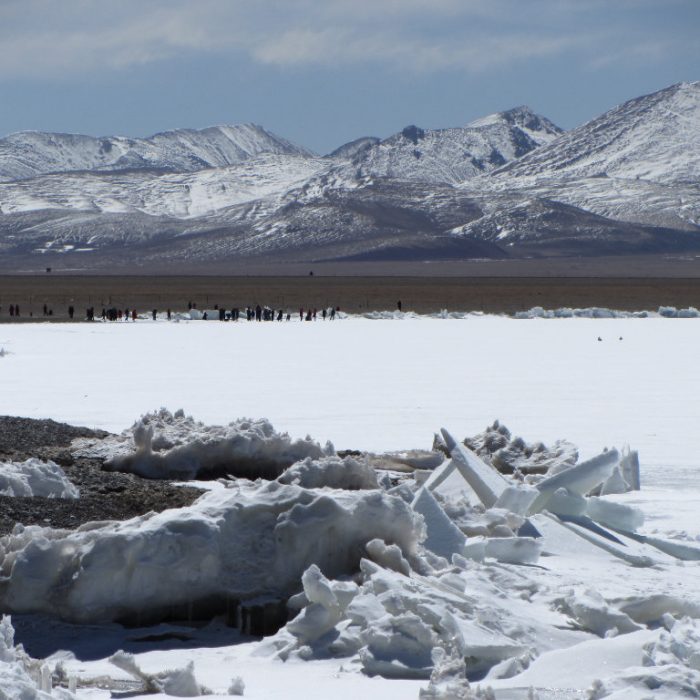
pixel 205 316
pixel 289 317
pixel 620 337
pixel 170 315
pixel 133 314
pixel 332 313
pixel 46 310
pixel 155 314
pixel 301 313
pixel 324 313
pixel 71 312
pixel 126 314
pixel 258 313
pixel 12 310
pixel 189 306
pixel 599 339
pixel 222 314
pixel 308 315
pixel 16 309
pixel 311 273
pixel 48 269
pixel 314 314
pixel 279 315
pixel 398 304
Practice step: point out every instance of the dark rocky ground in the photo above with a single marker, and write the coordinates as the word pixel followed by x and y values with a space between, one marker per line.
pixel 103 495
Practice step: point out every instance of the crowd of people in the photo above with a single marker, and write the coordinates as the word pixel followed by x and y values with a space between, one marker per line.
pixel 250 313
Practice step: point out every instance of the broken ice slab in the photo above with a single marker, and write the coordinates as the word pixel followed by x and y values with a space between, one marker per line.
pixel 508 550
pixel 616 515
pixel 579 479
pixel 487 483
pixel 685 551
pixel 444 538
pixel 517 499
pixel 480 646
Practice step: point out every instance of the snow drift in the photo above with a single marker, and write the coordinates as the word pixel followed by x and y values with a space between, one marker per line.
pixel 165 445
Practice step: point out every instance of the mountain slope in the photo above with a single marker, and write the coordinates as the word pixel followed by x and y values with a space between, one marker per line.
pixel 654 137
pixel 30 153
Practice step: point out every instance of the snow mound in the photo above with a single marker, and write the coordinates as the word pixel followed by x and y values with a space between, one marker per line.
pixel 332 472
pixel 33 478
pixel 165 445
pixel 231 544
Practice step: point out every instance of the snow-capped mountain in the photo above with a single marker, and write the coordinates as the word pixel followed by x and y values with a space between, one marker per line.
pixel 506 185
pixel 454 155
pixel 31 153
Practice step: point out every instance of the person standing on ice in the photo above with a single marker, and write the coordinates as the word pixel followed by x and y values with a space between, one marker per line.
pixel 133 314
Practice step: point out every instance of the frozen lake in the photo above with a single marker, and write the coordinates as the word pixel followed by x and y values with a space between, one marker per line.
pixel 380 384
pixel 385 385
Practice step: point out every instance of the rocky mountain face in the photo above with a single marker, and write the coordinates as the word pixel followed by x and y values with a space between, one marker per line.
pixel 507 185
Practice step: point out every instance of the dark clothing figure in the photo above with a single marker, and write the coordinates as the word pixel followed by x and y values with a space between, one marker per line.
pixel 398 304
pixel 332 314
pixel 258 313
pixel 71 312
pixel 323 313
pixel 155 314
pixel 46 310
pixel 301 314
pixel 133 314
pixel 169 315
pixel 12 310
pixel 222 314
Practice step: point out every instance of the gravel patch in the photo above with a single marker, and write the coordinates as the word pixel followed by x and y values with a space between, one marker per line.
pixel 103 495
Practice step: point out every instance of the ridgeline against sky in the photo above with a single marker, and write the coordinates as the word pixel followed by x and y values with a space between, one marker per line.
pixel 322 73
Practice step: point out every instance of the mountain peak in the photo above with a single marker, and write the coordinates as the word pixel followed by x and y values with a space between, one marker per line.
pixel 522 117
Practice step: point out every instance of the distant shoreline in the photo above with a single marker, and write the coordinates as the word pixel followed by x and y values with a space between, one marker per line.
pixel 359 294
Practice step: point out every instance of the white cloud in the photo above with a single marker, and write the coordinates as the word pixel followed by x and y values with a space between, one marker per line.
pixel 47 38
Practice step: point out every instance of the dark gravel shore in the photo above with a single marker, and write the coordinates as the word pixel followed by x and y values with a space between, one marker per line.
pixel 103 495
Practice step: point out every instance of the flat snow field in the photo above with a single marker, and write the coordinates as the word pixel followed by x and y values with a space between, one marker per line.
pixel 377 384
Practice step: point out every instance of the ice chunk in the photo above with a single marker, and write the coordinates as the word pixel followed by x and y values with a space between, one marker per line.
pixel 616 515
pixel 579 479
pixel 566 503
pixel 332 472
pixel 517 499
pixel 487 483
pixel 510 454
pixel 514 550
pixel 509 550
pixel 398 646
pixel 591 611
pixel 480 646
pixel 447 679
pixel 443 537
pixel 644 609
pixel 35 478
pixel 388 556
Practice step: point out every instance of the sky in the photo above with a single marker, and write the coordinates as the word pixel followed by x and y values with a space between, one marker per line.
pixel 324 72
